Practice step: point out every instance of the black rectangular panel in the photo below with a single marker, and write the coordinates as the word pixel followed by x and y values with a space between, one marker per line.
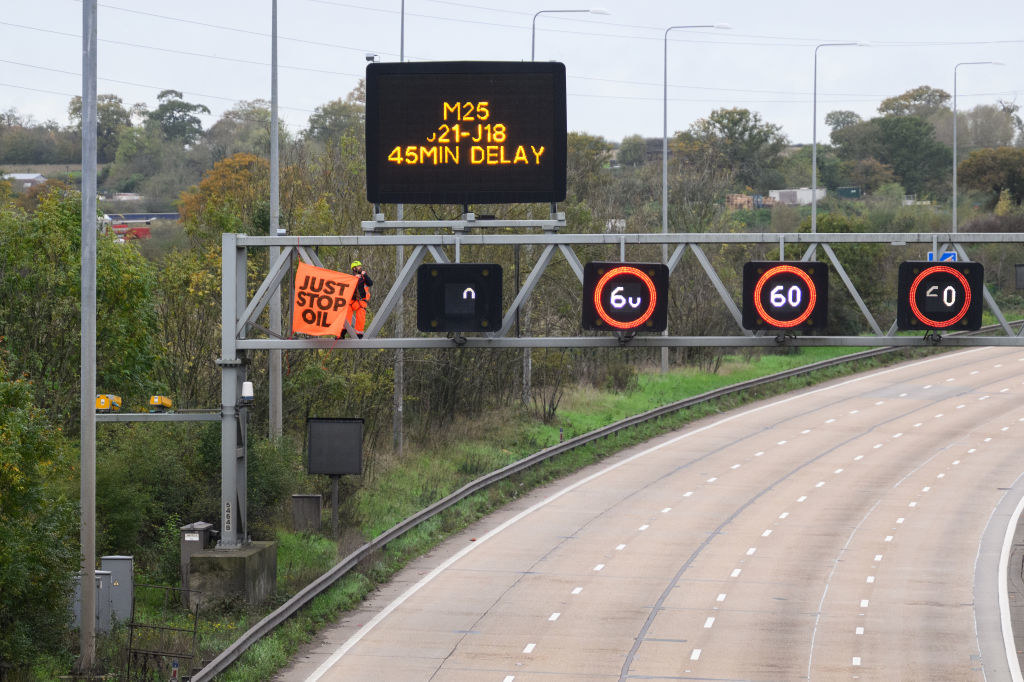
pixel 334 446
pixel 465 132
pixel 458 297
pixel 625 297
pixel 939 296
pixel 785 295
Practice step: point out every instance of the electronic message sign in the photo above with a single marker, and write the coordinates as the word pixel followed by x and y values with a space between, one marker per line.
pixel 784 295
pixel 934 296
pixel 625 297
pixel 465 132
pixel 458 297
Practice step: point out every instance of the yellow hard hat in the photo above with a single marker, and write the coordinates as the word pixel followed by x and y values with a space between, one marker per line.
pixel 356 264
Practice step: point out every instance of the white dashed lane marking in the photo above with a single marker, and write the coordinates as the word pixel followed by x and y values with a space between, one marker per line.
pixel 709 622
pixel 528 649
pixel 751 551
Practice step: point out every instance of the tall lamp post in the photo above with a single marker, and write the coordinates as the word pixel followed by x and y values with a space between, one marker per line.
pixel 955 225
pixel 664 137
pixel 533 32
pixel 527 354
pixel 664 160
pixel 814 133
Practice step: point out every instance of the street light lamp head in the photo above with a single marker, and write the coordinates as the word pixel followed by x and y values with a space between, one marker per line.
pixel 600 10
pixel 862 43
pixel 727 27
pixel 372 56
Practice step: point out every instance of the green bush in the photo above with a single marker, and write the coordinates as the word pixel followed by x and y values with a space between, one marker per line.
pixel 38 529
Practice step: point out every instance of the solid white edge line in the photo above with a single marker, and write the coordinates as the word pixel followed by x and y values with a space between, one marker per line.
pixel 386 611
pixel 1004 595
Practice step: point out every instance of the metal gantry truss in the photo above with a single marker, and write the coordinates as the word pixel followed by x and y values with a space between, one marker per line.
pixel 240 314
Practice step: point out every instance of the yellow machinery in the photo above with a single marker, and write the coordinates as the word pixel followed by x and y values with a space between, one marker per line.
pixel 159 403
pixel 106 402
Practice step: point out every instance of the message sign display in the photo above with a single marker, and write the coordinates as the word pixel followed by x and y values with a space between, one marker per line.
pixel 932 296
pixel 465 132
pixel 625 297
pixel 334 446
pixel 781 295
pixel 458 297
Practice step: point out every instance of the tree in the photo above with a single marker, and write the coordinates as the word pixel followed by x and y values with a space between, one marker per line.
pixel 179 120
pixel 39 306
pixel 869 174
pixel 750 147
pixel 231 197
pixel 243 129
pixel 633 150
pixel 585 159
pixel 339 117
pixel 906 144
pixel 38 549
pixel 922 101
pixel 995 170
pixel 837 120
pixel 111 118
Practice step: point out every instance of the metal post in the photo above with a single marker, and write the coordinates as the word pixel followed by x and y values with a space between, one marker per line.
pixel 955 221
pixel 664 162
pixel 814 135
pixel 398 392
pixel 87 633
pixel 232 492
pixel 334 506
pixel 275 397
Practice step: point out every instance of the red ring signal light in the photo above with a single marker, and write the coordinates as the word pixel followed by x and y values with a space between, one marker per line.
pixel 812 296
pixel 935 269
pixel 796 298
pixel 625 297
pixel 934 296
pixel 652 293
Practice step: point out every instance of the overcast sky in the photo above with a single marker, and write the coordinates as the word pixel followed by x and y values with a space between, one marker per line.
pixel 218 52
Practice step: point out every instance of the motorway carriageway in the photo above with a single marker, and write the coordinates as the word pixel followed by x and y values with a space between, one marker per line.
pixel 848 531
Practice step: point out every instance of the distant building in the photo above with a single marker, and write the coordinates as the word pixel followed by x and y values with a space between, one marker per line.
pixel 747 201
pixel 22 181
pixel 795 197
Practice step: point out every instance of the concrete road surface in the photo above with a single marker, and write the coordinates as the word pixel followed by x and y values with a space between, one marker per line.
pixel 849 531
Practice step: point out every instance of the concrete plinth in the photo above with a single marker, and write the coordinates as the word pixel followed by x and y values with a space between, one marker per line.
pixel 248 573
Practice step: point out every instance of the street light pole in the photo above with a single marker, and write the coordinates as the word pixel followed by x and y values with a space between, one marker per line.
pixel 533 32
pixel 275 415
pixel 955 223
pixel 527 353
pixel 814 134
pixel 664 160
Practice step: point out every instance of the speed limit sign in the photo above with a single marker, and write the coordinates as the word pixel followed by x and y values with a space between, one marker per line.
pixel 939 296
pixel 625 297
pixel 785 296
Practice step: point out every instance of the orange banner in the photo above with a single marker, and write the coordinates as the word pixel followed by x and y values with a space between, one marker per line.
pixel 322 300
